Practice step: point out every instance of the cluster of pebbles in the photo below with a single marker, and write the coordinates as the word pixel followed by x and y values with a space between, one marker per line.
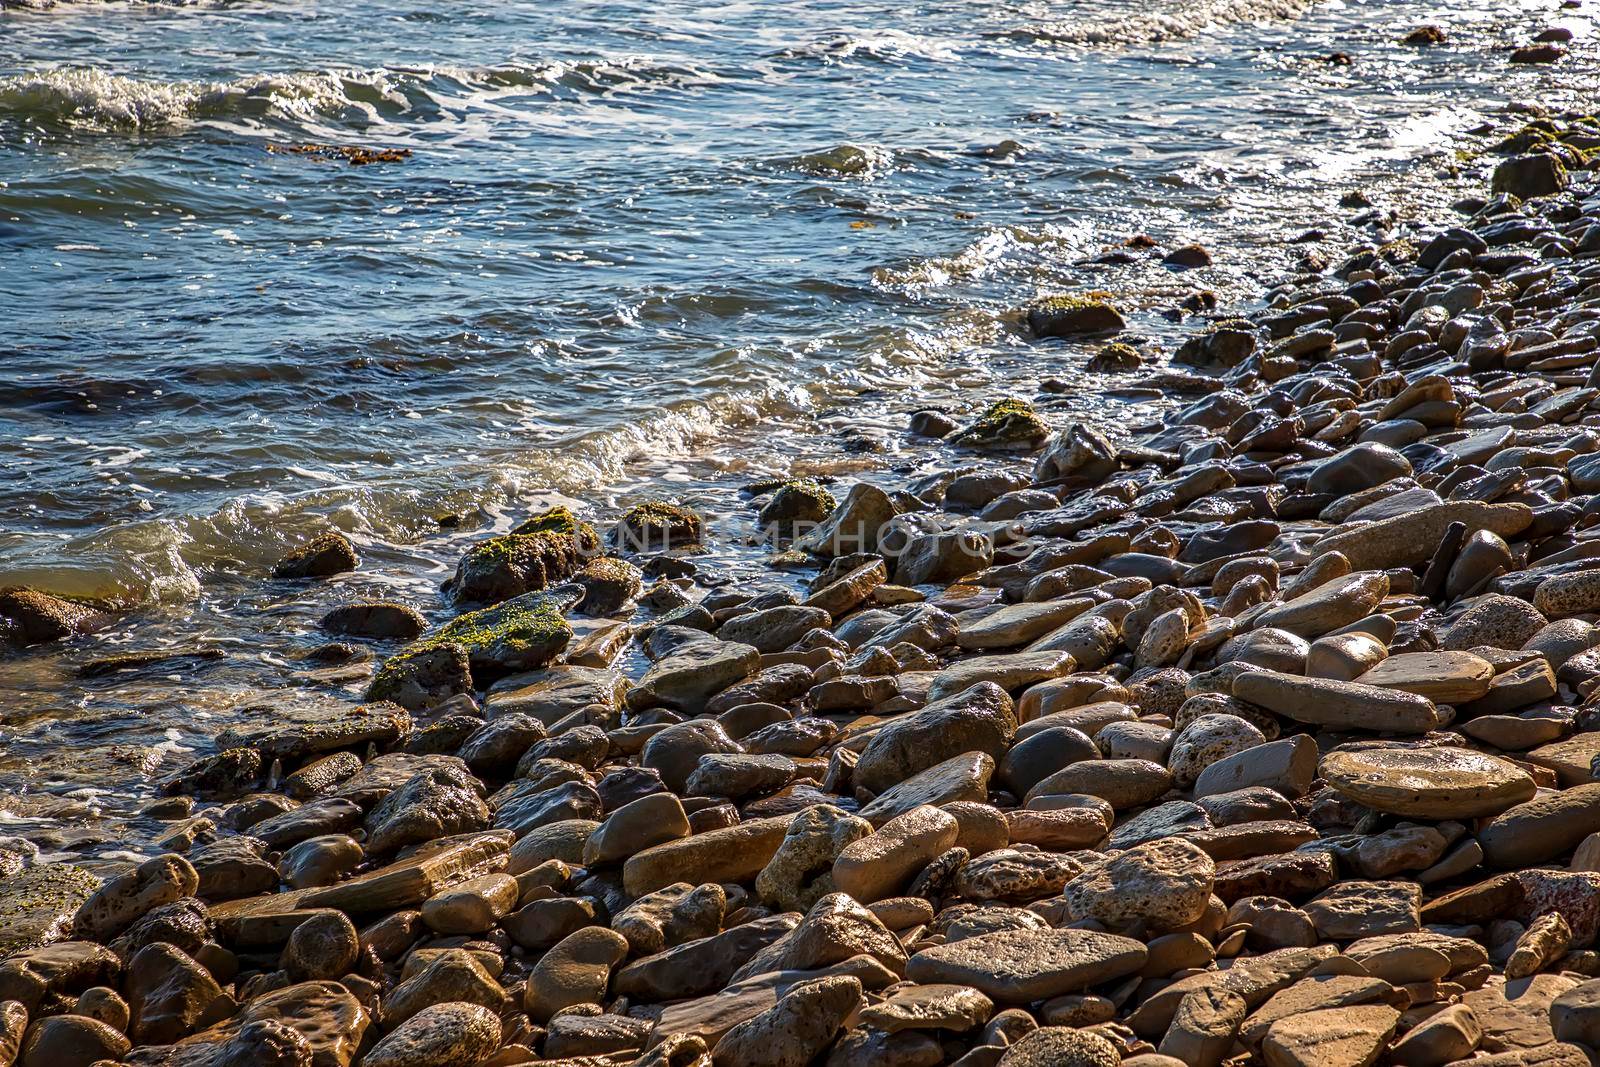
pixel 1269 738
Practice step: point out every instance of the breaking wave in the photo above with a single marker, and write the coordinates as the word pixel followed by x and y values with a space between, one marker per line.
pixel 1188 18
pixel 95 99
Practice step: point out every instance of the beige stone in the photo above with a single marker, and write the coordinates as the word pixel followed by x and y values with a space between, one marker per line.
pixel 472 907
pixel 732 854
pixel 1449 1035
pixel 1329 606
pixel 1428 783
pixel 1163 885
pixel 880 864
pixel 1337 1037
pixel 445 1035
pixel 1203 1030
pixel 576 971
pixel 1344 657
pixel 1342 705
pixel 1408 540
pixel 1442 677
pixel 1020 966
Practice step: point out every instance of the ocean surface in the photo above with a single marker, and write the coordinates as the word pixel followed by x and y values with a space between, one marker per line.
pixel 636 249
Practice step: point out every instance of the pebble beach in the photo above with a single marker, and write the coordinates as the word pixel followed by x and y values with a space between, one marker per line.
pixel 1254 723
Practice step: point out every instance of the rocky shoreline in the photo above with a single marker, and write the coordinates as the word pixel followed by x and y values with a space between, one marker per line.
pixel 1266 738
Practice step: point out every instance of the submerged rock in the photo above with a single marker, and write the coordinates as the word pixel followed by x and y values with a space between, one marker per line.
pixel 28 617
pixel 325 555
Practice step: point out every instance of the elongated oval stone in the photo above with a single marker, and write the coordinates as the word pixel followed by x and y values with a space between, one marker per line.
pixel 1543 828
pixel 1346 705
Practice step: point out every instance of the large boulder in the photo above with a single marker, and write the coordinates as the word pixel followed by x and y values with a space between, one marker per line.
pixel 1073 316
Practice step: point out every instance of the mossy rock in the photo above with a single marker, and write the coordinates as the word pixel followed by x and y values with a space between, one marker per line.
pixel 561 520
pixel 798 502
pixel 657 525
pixel 423 676
pixel 1115 357
pixel 524 633
pixel 520 634
pixel 1534 174
pixel 608 585
pixel 37 905
pixel 763 486
pixel 1526 139
pixel 1009 425
pixel 1572 157
pixel 325 555
pixel 513 564
pixel 223 775
pixel 1074 316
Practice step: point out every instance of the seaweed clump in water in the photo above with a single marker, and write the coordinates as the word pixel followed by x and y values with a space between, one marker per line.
pixel 356 157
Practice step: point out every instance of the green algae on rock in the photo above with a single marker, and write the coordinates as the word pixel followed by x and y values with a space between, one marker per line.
pixel 1010 424
pixel 1539 173
pixel 763 486
pixel 797 502
pixel 521 634
pixel 1074 316
pixel 514 564
pixel 561 520
pixel 37 905
pixel 657 525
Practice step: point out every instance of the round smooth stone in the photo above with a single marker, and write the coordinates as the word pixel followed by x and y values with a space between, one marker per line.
pixel 1428 783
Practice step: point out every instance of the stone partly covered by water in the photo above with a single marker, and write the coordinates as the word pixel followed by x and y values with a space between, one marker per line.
pixel 1268 736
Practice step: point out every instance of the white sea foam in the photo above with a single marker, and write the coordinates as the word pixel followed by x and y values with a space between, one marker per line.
pixel 1187 18
pixel 89 97
pixel 882 45
pixel 164 559
pixel 96 99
